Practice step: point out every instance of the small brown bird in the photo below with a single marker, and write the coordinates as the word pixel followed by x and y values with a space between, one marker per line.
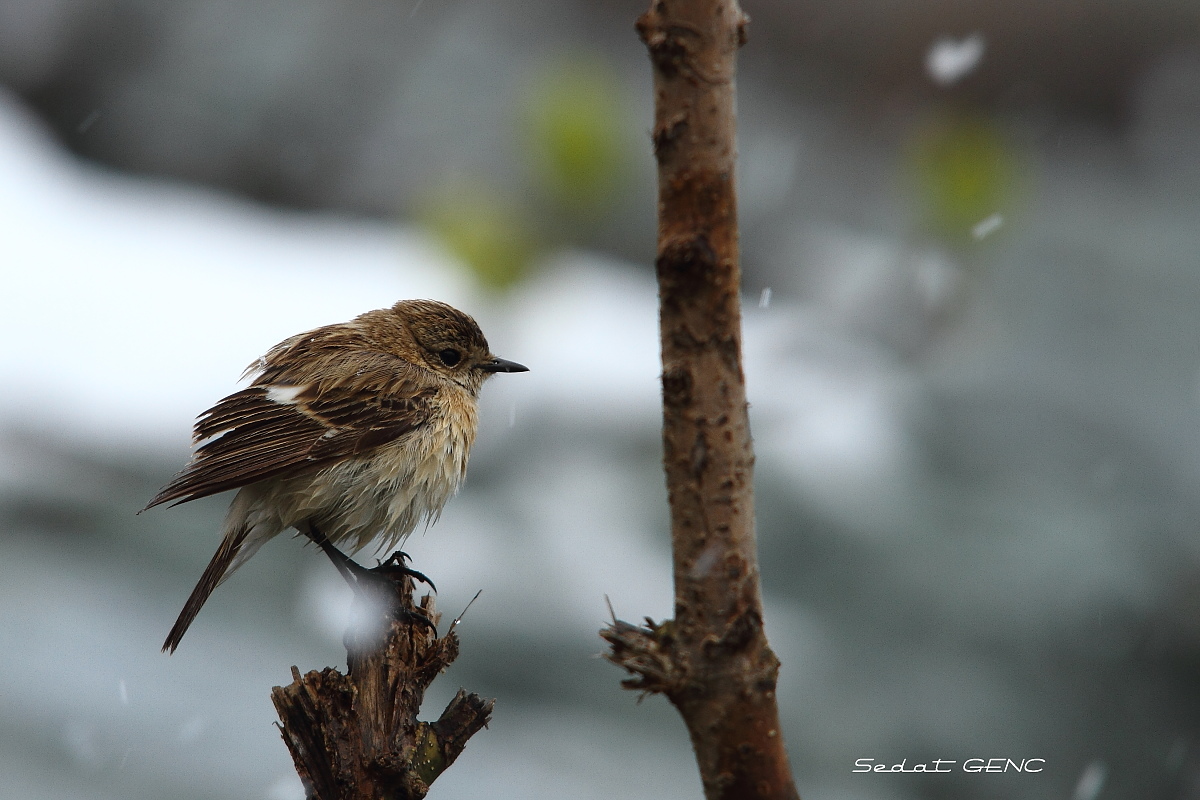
pixel 348 432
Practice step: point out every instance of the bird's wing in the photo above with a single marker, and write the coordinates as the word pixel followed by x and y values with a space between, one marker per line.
pixel 272 428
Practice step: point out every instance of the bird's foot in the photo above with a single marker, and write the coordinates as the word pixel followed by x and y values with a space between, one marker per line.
pixel 381 585
pixel 395 570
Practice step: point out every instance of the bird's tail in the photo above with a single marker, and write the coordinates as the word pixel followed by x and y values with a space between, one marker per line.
pixel 221 565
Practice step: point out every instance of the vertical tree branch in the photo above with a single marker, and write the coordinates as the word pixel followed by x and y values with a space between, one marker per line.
pixel 712 661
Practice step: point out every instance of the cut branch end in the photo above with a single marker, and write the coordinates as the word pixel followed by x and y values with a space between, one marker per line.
pixel 357 736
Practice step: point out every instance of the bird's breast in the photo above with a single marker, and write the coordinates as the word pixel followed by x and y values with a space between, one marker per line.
pixel 410 480
pixel 439 451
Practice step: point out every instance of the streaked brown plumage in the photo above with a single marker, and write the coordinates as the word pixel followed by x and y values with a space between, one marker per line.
pixel 359 430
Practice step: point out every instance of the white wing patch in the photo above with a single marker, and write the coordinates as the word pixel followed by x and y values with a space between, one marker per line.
pixel 284 395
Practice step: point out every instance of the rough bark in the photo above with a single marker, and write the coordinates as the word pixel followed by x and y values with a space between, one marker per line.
pixel 712 660
pixel 356 736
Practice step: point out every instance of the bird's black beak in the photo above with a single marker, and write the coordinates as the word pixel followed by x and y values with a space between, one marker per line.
pixel 500 365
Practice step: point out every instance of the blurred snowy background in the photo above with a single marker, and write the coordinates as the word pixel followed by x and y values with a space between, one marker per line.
pixel 972 290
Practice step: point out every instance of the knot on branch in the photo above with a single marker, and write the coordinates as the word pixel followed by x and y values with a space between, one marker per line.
pixel 677 386
pixel 357 736
pixel 743 631
pixel 667 44
pixel 667 132
pixel 685 262
pixel 676 47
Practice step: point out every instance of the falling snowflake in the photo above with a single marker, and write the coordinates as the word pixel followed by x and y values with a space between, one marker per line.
pixel 950 60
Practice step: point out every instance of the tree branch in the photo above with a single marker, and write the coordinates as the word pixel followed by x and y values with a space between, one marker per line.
pixel 712 661
pixel 356 736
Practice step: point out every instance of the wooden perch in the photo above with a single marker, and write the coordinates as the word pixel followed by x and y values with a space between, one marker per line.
pixel 356 736
pixel 712 660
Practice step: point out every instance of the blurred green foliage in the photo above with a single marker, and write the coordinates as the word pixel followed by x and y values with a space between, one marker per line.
pixel 575 123
pixel 965 170
pixel 573 134
pixel 481 225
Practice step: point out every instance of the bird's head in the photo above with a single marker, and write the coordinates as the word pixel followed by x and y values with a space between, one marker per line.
pixel 450 343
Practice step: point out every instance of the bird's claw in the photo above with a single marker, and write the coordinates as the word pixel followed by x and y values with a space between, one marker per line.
pixel 417 618
pixel 397 563
pixel 390 572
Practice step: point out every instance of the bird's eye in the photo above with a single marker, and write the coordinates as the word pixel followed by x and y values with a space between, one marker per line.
pixel 450 356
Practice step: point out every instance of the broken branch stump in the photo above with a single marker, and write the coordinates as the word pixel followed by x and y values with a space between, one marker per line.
pixel 357 736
